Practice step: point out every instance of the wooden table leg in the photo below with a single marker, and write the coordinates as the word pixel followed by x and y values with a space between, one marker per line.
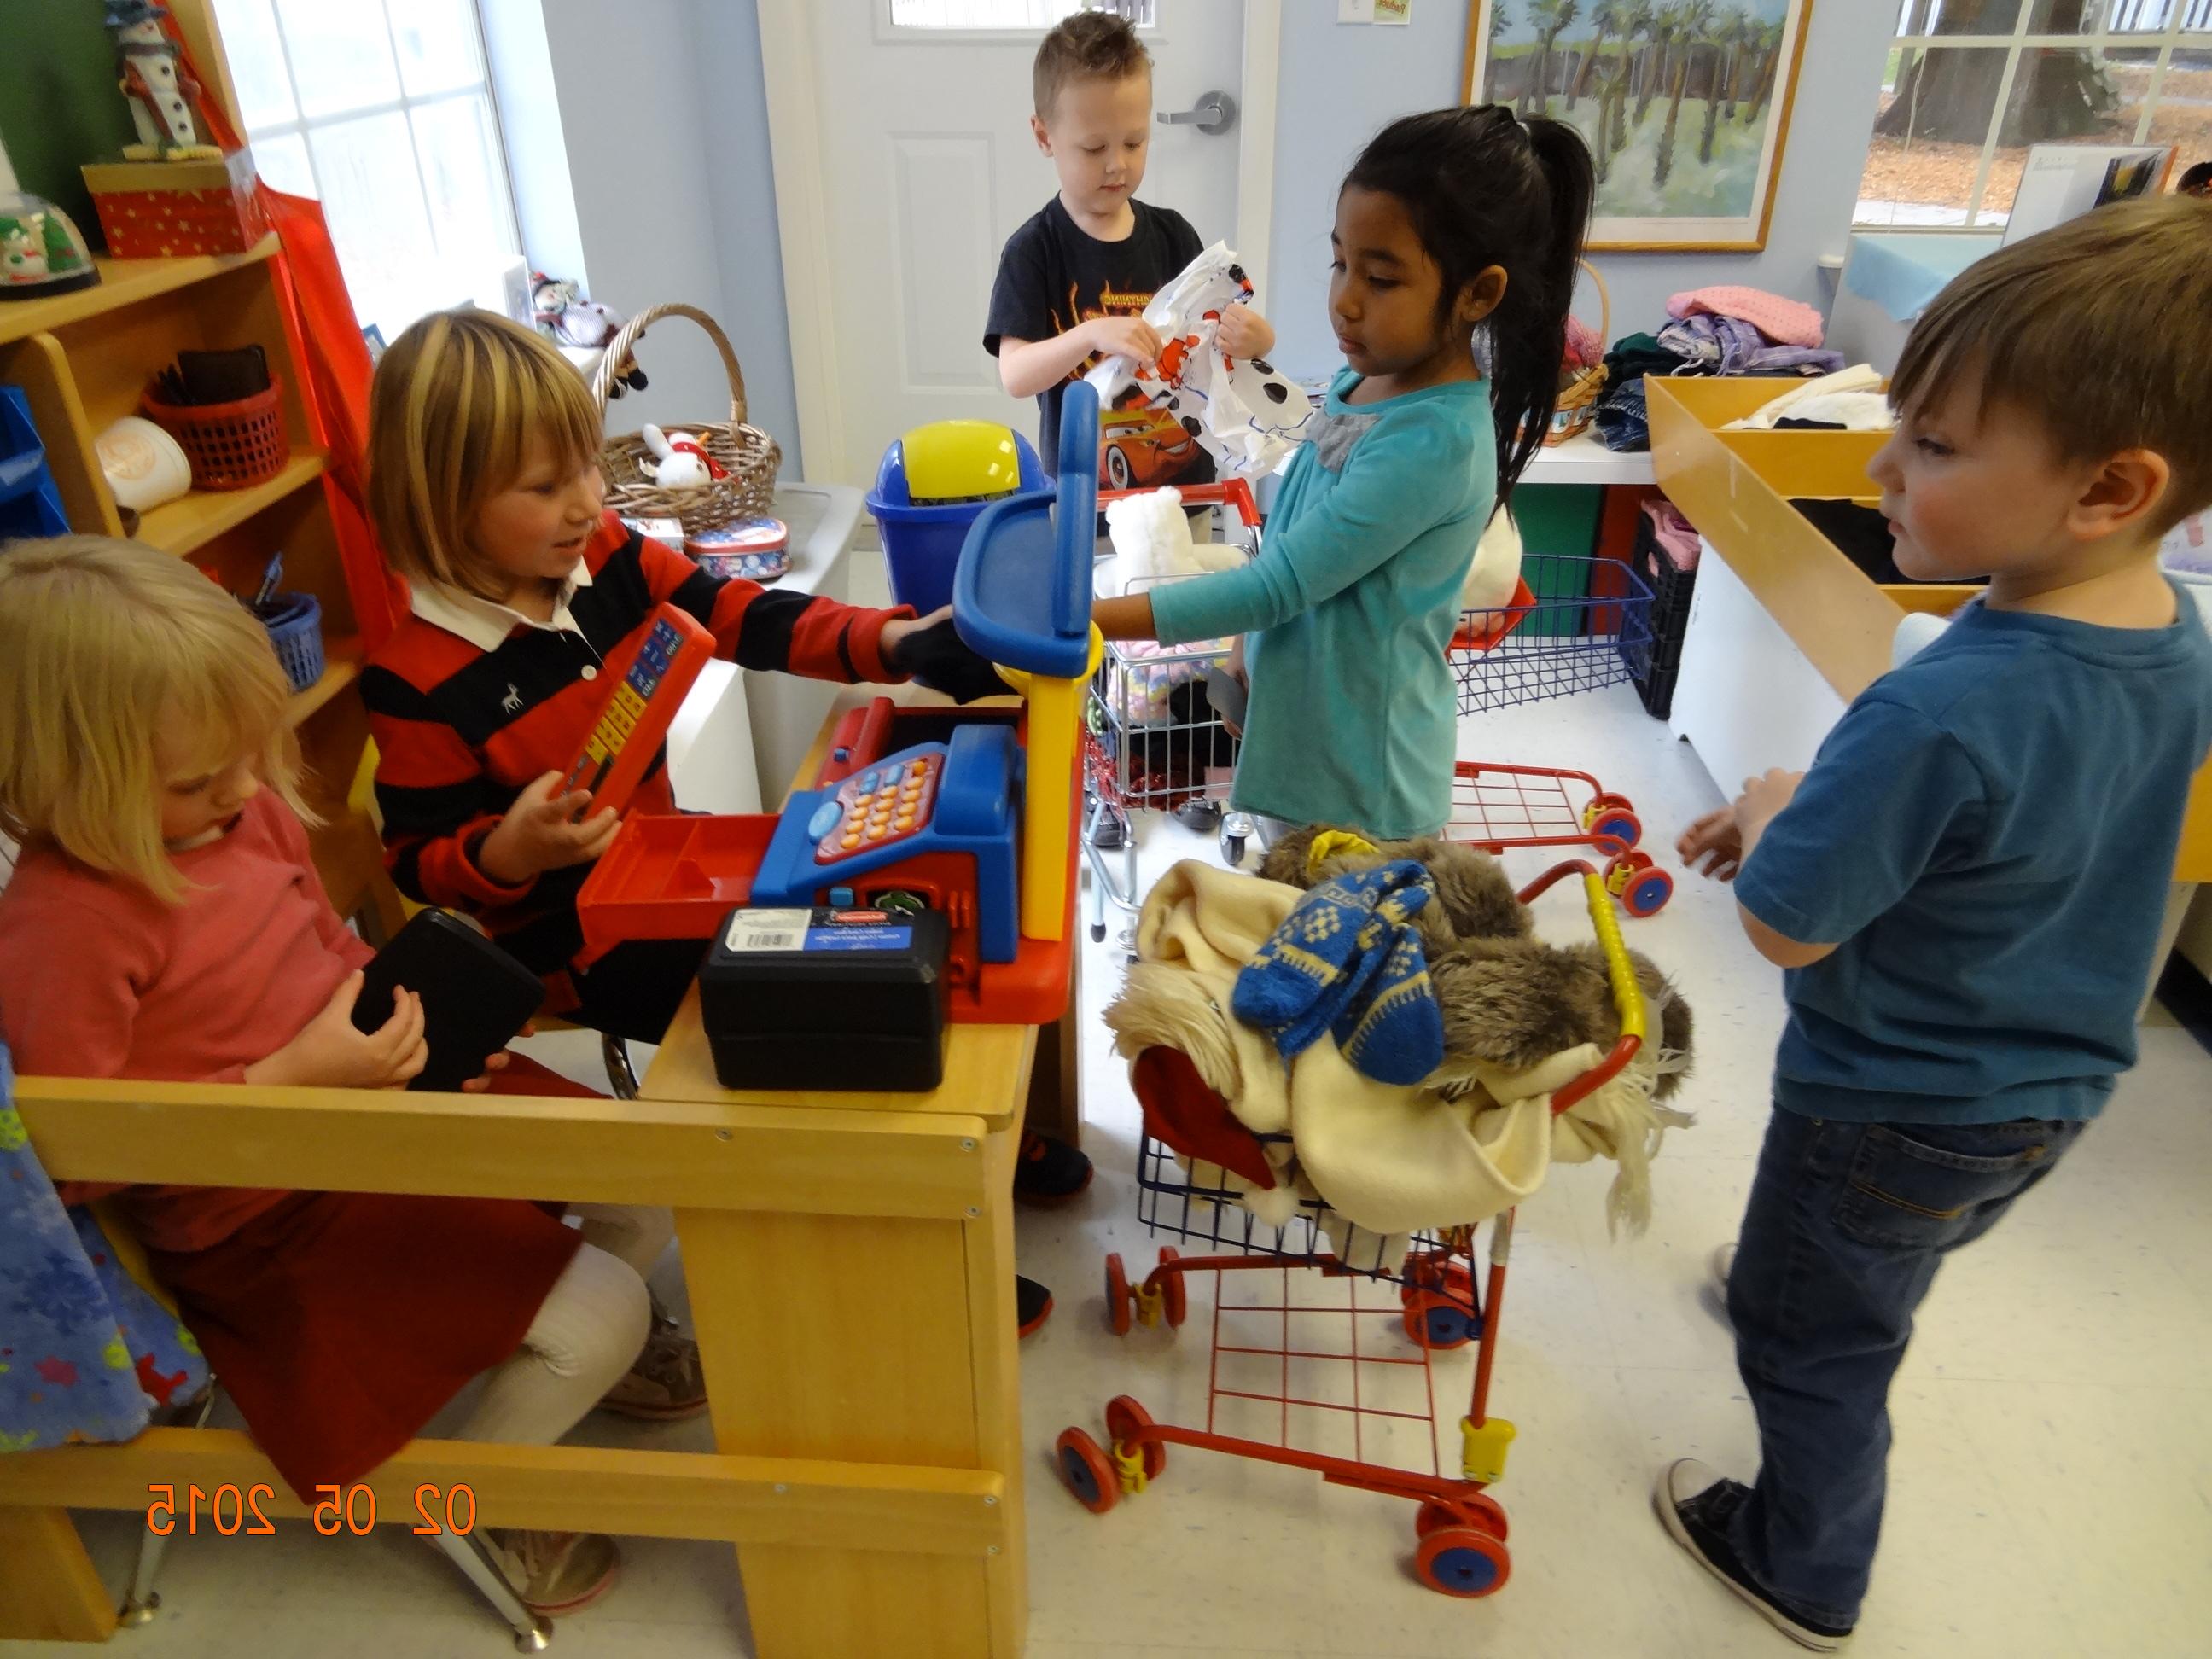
pixel 870 1340
pixel 1055 1097
pixel 48 1590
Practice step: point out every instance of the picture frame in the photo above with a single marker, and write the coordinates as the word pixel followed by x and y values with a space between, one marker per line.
pixel 1686 104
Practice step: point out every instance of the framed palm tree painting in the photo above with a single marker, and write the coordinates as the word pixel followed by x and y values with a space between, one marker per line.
pixel 1685 105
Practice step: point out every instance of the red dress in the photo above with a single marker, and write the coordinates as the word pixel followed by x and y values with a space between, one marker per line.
pixel 340 1323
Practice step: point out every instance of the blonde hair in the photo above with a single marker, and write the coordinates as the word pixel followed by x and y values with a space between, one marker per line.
pixel 105 646
pixel 456 402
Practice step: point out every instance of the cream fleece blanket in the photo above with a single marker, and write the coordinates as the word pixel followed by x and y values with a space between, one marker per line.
pixel 1387 1161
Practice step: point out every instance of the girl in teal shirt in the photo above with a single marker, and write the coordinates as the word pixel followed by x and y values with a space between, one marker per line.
pixel 1449 221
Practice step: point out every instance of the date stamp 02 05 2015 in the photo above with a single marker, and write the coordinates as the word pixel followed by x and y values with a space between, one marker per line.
pixel 338 1509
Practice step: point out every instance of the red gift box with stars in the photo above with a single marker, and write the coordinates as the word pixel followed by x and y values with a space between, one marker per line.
pixel 161 209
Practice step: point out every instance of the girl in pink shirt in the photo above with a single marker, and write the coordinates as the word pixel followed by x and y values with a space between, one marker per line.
pixel 165 922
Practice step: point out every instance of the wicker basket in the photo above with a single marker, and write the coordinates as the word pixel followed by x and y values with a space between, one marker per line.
pixel 1579 389
pixel 748 454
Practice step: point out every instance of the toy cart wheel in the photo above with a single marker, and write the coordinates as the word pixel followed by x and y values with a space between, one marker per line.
pixel 1173 1300
pixel 1436 1322
pixel 1087 1471
pixel 1121 1304
pixel 1463 1561
pixel 1648 893
pixel 1232 851
pixel 1125 1418
pixel 1619 825
pixel 1477 1510
pixel 1097 932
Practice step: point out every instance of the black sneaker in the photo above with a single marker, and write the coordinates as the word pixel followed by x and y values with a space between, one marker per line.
pixel 1694 1504
pixel 1032 1304
pixel 1049 1171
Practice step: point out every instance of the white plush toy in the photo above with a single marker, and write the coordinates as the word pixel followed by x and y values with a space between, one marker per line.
pixel 1151 535
pixel 1496 571
pixel 680 460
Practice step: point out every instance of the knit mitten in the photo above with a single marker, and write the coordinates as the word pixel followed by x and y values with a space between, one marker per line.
pixel 1346 949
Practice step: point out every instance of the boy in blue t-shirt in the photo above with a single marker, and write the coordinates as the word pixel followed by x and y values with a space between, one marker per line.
pixel 1966 890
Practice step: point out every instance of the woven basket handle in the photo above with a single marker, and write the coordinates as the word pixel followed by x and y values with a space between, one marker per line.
pixel 627 337
pixel 1604 305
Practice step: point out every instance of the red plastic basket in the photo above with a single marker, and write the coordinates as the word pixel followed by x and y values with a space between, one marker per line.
pixel 232 446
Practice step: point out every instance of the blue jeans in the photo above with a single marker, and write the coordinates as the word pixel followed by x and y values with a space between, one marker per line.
pixel 1847 1226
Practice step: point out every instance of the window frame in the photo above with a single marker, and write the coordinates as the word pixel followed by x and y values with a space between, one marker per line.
pixel 888 32
pixel 302 126
pixel 2018 40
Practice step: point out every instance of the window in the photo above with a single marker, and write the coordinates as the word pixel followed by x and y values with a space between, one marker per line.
pixel 999 15
pixel 382 108
pixel 1971 84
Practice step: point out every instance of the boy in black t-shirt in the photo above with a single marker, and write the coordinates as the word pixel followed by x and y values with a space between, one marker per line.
pixel 1074 281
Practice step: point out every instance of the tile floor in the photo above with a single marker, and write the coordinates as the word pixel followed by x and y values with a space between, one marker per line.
pixel 2052 1488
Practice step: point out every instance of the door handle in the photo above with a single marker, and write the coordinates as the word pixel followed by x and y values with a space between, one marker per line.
pixel 1215 114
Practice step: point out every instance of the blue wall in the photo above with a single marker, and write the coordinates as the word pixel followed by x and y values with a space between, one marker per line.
pixel 1341 82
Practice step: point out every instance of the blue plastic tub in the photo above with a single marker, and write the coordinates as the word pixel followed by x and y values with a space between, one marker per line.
pixel 922 540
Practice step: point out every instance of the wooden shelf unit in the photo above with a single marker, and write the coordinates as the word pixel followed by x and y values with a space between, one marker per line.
pixel 84 359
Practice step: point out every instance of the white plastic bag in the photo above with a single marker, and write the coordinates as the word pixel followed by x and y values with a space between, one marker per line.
pixel 1246 414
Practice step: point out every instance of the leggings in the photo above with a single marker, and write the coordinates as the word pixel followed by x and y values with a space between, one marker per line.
pixel 588 1332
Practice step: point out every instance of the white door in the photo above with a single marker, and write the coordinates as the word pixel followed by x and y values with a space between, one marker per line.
pixel 903 174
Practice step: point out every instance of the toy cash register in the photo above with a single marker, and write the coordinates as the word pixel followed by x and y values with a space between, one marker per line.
pixel 964 813
pixel 646 683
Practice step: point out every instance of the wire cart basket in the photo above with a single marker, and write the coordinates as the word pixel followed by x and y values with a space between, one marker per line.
pixel 1278 1356
pixel 1596 633
pixel 1584 624
pixel 1152 741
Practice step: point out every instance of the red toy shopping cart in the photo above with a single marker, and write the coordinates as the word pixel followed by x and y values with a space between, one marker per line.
pixel 1590 630
pixel 1289 1369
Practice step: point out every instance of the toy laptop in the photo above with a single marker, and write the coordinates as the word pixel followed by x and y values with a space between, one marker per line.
pixel 966 814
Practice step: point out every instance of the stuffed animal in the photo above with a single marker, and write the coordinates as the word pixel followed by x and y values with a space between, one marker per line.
pixel 567 318
pixel 1496 571
pixel 1508 999
pixel 680 458
pixel 1150 534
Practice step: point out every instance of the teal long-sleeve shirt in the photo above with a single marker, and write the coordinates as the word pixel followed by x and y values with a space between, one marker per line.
pixel 1350 607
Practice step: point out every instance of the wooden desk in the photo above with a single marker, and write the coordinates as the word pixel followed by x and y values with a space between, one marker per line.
pixel 850 1264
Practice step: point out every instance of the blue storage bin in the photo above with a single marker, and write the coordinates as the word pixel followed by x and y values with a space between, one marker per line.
pixel 922 539
pixel 294 621
pixel 30 505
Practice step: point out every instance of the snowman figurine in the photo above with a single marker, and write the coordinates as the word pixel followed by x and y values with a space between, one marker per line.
pixel 161 95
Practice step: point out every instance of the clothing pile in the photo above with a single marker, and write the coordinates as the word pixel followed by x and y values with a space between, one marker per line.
pixel 1714 331
pixel 1142 676
pixel 1373 1042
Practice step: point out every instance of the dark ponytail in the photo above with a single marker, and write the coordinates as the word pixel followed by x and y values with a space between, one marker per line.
pixel 1484 188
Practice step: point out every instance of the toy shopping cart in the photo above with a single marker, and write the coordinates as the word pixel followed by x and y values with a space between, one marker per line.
pixel 1153 741
pixel 1574 624
pixel 1289 1369
pixel 1594 630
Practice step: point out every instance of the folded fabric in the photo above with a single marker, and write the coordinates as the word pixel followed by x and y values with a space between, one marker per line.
pixel 1860 381
pixel 1623 419
pixel 89 1354
pixel 1729 345
pixel 1347 962
pixel 1634 356
pixel 1785 322
pixel 1676 535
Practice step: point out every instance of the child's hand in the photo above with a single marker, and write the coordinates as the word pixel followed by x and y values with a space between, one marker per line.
pixel 1715 839
pixel 498 1062
pixel 330 1054
pixel 1763 798
pixel 1244 333
pixel 542 832
pixel 1126 336
pixel 929 649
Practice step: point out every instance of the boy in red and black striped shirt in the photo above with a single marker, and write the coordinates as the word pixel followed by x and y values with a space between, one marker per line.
pixel 485 489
